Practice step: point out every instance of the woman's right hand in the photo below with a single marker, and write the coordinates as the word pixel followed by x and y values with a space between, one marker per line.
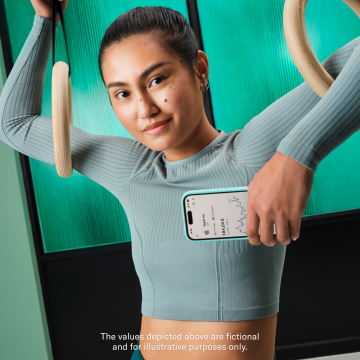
pixel 43 8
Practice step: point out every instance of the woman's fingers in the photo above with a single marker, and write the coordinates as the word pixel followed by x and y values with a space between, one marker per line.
pixel 44 8
pixel 252 225
pixel 277 194
pixel 286 230
pixel 282 230
pixel 267 231
pixel 294 226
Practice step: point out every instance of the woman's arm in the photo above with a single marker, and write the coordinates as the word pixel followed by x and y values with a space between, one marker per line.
pixel 108 160
pixel 303 126
pixel 284 144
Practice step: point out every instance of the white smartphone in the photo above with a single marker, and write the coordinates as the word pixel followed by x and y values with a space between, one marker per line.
pixel 215 214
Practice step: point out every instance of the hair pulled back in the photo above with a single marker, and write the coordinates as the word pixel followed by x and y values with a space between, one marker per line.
pixel 176 34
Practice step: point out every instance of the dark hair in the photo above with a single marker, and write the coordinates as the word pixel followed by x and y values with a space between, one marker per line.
pixel 177 35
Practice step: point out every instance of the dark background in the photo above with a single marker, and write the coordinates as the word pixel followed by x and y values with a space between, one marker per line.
pixel 93 291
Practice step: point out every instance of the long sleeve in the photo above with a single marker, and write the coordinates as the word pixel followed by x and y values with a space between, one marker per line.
pixel 302 125
pixel 108 160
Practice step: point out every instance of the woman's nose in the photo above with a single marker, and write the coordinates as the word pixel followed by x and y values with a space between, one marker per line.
pixel 146 107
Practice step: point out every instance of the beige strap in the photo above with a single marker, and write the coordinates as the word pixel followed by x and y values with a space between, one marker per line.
pixel 61 118
pixel 300 48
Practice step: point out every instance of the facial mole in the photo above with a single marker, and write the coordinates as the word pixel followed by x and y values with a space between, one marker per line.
pixel 165 100
pixel 180 60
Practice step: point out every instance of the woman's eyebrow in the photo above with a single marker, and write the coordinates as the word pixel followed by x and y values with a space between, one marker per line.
pixel 144 74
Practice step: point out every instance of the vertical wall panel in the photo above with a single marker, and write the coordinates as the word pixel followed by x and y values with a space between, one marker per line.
pixel 22 314
pixel 251 67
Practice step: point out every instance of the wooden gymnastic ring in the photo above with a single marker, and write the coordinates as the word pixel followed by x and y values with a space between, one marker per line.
pixel 62 118
pixel 300 48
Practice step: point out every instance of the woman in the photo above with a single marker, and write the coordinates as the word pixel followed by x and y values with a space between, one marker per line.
pixel 155 76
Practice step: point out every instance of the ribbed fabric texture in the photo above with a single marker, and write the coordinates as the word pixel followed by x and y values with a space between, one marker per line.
pixel 182 280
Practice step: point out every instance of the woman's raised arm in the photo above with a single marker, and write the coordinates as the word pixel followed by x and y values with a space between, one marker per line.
pixel 108 160
pixel 284 144
pixel 302 125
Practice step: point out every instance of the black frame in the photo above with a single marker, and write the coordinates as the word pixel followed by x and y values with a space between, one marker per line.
pixel 291 352
pixel 195 24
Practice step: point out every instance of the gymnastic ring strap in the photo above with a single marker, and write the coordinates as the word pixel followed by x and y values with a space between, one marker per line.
pixel 58 5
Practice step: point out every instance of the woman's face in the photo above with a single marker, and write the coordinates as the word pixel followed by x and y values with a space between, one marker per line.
pixel 147 84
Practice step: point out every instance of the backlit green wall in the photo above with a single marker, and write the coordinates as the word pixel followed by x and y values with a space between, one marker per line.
pixel 23 328
pixel 250 68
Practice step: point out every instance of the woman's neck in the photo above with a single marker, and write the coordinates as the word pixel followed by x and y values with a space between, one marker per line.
pixel 203 136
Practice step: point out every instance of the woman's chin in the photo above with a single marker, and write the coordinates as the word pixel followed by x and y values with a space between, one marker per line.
pixel 161 143
pixel 165 140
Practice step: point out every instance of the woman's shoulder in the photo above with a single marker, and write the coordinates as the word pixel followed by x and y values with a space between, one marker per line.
pixel 227 141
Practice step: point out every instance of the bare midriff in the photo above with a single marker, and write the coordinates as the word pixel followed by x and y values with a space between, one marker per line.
pixel 231 346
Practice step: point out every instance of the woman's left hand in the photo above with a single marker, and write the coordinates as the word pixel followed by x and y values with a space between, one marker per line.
pixel 278 194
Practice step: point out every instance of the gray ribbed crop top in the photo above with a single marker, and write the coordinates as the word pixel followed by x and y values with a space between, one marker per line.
pixel 182 280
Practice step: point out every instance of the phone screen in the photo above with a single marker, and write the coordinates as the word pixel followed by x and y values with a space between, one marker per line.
pixel 216 216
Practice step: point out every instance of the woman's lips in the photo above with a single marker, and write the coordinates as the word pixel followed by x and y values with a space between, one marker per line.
pixel 157 129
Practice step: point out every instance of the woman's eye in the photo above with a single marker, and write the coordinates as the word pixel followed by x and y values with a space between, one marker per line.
pixel 157 81
pixel 125 94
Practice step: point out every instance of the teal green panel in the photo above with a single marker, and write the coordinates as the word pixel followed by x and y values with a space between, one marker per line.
pixel 22 310
pixel 77 212
pixel 251 67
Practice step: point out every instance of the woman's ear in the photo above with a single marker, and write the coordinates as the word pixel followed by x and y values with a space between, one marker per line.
pixel 203 67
